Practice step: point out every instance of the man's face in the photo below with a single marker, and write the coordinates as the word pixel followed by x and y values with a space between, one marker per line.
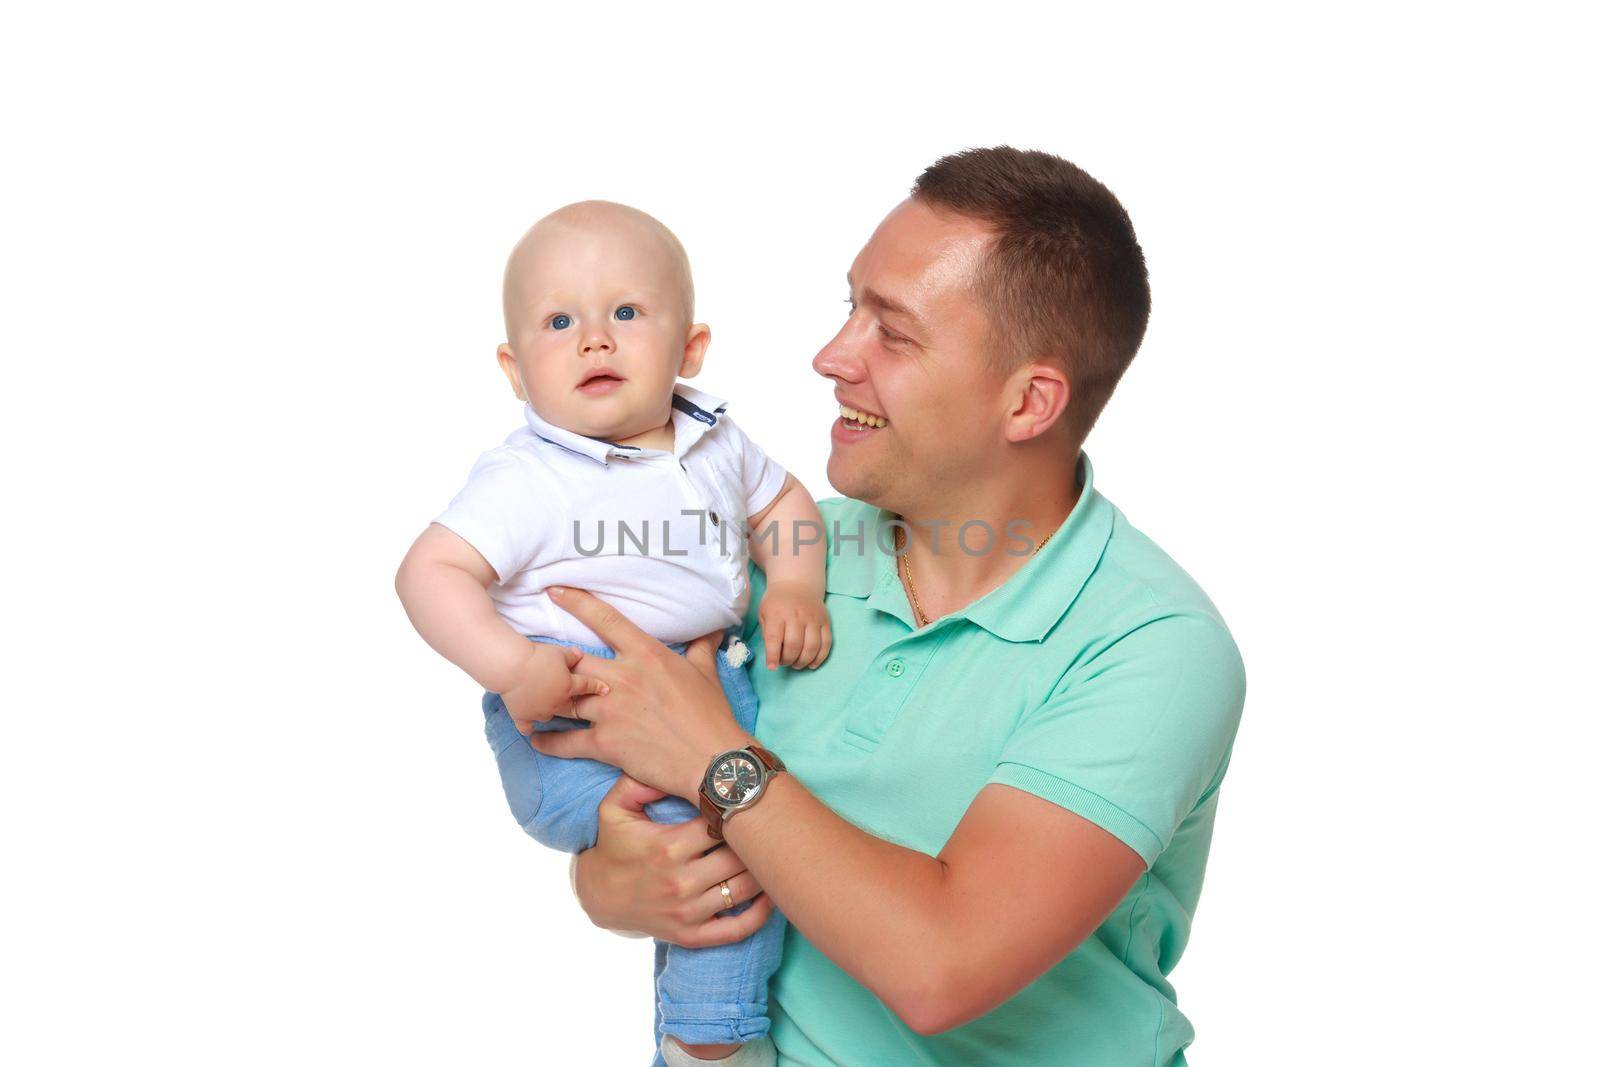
pixel 599 330
pixel 911 356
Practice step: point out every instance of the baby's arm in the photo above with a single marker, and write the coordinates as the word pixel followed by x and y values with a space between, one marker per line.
pixel 443 583
pixel 794 623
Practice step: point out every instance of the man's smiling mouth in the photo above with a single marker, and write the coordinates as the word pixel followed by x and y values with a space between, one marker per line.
pixel 861 420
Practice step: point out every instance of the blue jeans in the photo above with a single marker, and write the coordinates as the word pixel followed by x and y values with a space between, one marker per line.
pixel 703 995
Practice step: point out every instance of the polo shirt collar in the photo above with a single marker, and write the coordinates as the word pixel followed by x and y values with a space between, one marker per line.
pixel 693 413
pixel 1033 600
pixel 1026 606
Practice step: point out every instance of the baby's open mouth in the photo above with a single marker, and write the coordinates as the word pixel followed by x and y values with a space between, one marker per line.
pixel 861 420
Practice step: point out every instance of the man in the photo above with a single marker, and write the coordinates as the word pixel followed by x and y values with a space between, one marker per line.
pixel 1000 788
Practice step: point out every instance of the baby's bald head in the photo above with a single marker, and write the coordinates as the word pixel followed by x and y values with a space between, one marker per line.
pixel 600 322
pixel 616 243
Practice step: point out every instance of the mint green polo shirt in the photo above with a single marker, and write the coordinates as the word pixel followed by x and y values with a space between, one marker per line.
pixel 1098 677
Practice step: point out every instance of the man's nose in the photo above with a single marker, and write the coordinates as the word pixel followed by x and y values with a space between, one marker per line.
pixel 838 359
pixel 595 343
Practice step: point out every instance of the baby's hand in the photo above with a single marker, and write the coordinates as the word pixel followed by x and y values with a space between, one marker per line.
pixel 794 625
pixel 546 686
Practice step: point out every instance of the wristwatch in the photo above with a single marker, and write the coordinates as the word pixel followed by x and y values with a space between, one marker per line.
pixel 734 781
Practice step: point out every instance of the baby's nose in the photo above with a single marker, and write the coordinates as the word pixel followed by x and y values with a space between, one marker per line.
pixel 595 343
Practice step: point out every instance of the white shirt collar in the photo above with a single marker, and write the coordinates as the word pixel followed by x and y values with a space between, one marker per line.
pixel 693 413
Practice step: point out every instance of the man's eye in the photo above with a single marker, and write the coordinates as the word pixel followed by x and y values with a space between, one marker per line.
pixel 887 336
pixel 560 322
pixel 625 312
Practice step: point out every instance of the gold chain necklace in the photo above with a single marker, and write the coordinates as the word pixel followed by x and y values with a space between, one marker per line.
pixel 911 587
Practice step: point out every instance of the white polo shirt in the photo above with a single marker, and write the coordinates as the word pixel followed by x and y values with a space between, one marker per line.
pixel 659 535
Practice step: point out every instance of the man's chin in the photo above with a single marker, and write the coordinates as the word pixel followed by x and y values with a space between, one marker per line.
pixel 849 479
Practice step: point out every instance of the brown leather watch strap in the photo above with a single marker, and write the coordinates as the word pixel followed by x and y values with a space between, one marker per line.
pixel 713 814
pixel 767 756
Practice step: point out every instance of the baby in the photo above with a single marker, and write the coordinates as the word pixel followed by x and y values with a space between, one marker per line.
pixel 640 489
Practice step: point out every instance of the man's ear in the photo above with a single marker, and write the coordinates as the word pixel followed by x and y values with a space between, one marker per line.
pixel 694 350
pixel 1040 393
pixel 508 364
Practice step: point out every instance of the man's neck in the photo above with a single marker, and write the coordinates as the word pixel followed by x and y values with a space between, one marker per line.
pixel 1009 519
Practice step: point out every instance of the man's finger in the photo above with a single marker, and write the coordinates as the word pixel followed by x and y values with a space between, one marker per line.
pixel 727 929
pixel 573 656
pixel 703 872
pixel 741 887
pixel 612 626
pixel 566 744
pixel 691 839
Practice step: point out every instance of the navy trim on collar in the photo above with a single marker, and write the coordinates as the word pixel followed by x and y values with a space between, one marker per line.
pixel 695 411
pixel 566 447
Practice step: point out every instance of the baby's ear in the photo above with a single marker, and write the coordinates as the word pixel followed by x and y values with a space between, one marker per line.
pixel 508 365
pixel 694 350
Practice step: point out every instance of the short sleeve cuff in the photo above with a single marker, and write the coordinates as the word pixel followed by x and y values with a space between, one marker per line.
pixel 767 490
pixel 482 537
pixel 1081 802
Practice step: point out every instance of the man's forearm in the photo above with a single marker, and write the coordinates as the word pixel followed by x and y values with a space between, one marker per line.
pixel 872 907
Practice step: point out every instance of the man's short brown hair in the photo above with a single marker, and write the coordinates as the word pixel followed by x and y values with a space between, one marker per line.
pixel 1065 277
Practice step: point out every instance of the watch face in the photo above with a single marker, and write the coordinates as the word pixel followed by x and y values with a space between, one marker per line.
pixel 734 779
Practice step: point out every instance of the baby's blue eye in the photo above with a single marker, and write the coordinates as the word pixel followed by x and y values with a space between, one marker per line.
pixel 625 312
pixel 560 322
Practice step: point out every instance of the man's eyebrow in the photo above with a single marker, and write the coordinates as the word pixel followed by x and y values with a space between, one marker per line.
pixel 873 298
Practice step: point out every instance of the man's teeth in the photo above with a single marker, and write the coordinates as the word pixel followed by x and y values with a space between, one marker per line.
pixel 862 417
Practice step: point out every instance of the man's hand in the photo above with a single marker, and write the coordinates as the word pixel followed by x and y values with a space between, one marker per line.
pixel 659 879
pixel 664 716
pixel 794 626
pixel 546 686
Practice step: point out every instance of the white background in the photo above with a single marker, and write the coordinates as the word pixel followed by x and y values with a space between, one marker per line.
pixel 251 261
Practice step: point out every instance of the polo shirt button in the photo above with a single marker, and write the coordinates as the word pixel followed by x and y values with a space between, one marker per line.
pixel 714 520
pixel 897 667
